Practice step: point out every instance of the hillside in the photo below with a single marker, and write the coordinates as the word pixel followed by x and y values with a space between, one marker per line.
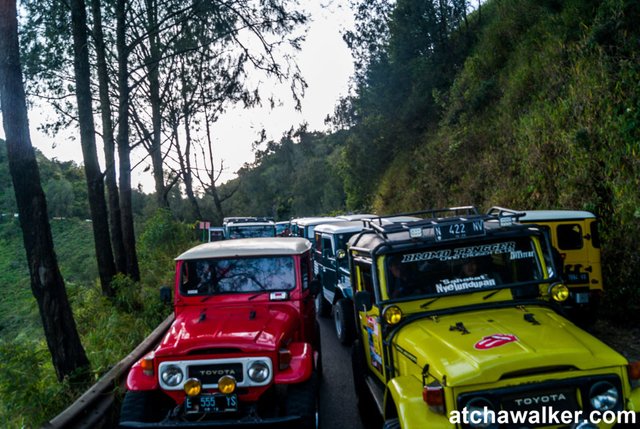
pixel 522 103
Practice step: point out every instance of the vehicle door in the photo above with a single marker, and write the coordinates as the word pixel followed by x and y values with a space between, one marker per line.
pixel 329 274
pixel 369 320
pixel 307 304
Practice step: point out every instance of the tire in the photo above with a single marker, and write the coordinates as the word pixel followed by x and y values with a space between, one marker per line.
pixel 144 406
pixel 302 400
pixel 391 424
pixel 364 399
pixel 323 308
pixel 343 318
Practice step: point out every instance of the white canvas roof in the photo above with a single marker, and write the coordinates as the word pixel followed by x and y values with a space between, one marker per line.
pixel 263 246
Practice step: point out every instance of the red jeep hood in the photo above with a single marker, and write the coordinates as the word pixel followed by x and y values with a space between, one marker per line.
pixel 245 327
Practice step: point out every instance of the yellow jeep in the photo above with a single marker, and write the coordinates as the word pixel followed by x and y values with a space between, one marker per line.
pixel 458 326
pixel 574 234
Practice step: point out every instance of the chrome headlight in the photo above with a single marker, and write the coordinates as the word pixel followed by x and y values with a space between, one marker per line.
pixel 172 375
pixel 258 371
pixel 481 413
pixel 603 396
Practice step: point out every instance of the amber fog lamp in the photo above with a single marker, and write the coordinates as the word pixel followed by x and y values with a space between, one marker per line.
pixel 227 384
pixel 146 363
pixel 392 315
pixel 559 292
pixel 192 387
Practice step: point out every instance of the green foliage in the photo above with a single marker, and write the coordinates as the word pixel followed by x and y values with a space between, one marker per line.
pixel 109 329
pixel 543 114
pixel 285 180
pixel 161 241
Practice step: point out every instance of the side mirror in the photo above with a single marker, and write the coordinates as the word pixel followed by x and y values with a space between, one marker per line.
pixel 341 254
pixel 363 301
pixel 315 287
pixel 165 295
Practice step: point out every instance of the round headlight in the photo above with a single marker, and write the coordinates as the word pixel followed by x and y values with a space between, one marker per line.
pixel 192 387
pixel 559 292
pixel 392 315
pixel 481 413
pixel 227 384
pixel 603 396
pixel 172 375
pixel 258 371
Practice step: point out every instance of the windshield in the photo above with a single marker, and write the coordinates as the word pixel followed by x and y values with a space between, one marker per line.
pixel 220 276
pixel 455 269
pixel 251 231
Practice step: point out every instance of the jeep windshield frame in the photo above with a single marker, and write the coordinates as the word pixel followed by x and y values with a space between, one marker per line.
pixel 225 276
pixel 454 268
pixel 379 242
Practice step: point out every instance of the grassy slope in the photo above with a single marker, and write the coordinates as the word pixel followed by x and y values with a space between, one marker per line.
pixel 544 114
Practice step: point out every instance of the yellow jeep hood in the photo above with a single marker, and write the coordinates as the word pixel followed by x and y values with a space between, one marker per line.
pixel 501 343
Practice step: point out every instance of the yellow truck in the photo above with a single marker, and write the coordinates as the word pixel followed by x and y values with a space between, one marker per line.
pixel 459 325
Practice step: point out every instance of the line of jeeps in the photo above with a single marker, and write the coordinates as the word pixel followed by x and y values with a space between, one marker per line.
pixel 446 311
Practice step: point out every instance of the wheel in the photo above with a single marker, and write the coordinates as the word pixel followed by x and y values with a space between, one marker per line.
pixel 144 406
pixel 323 308
pixel 302 400
pixel 391 424
pixel 366 405
pixel 344 321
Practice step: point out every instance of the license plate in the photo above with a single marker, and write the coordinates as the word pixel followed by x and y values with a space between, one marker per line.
pixel 211 403
pixel 558 399
pixel 456 230
pixel 577 278
pixel 582 298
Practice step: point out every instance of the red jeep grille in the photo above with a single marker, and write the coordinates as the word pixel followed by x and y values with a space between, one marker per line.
pixel 210 374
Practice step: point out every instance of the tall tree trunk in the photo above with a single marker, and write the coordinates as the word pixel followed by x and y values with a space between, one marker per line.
pixel 185 162
pixel 47 284
pixel 108 142
pixel 126 208
pixel 213 189
pixel 95 184
pixel 153 65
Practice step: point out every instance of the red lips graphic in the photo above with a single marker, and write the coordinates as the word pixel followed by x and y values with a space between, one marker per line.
pixel 495 340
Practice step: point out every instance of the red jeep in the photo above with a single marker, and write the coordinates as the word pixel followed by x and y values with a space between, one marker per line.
pixel 244 349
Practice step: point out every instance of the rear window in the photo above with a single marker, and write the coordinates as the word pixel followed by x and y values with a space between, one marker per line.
pixel 569 236
pixel 238 275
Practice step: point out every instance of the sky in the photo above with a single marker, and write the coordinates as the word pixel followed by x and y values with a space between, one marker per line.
pixel 325 63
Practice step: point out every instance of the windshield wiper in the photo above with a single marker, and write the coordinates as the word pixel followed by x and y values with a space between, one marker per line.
pixel 252 297
pixel 490 294
pixel 428 303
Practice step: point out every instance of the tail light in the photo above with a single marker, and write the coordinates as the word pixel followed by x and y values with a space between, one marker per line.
pixel 284 358
pixel 433 395
pixel 146 363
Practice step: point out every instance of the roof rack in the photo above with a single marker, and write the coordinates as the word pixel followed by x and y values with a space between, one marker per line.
pixel 503 211
pixel 429 218
pixel 247 219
